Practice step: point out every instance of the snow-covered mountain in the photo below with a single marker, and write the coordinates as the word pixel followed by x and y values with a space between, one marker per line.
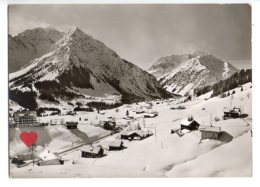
pixel 79 65
pixel 29 45
pixel 180 74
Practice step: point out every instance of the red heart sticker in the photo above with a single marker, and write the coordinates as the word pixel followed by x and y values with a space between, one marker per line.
pixel 29 138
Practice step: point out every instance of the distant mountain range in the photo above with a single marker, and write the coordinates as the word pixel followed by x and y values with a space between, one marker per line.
pixel 181 74
pixel 75 65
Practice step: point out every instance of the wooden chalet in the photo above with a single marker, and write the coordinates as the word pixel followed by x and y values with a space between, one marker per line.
pixel 189 124
pixel 209 132
pixel 92 152
pixel 115 145
pixel 71 125
pixel 49 158
pixel 55 161
pixel 232 113
pixel 131 135
pixel 20 159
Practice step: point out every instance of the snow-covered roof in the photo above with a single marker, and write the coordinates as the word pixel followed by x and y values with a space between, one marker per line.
pixel 115 143
pixel 126 133
pixel 209 128
pixel 140 133
pixel 91 149
pixel 186 122
pixel 47 155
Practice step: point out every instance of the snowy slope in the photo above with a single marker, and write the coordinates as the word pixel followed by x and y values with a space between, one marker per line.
pixel 166 154
pixel 29 45
pixel 81 63
pixel 195 70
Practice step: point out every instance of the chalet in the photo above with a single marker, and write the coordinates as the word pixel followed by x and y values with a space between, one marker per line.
pixel 108 125
pixel 72 113
pixel 55 161
pixel 49 158
pixel 189 124
pixel 173 108
pixel 125 135
pixel 181 107
pixel 25 117
pixel 139 111
pixel 115 145
pixel 92 152
pixel 209 132
pixel 232 113
pixel 138 134
pixel 71 125
pixel 20 159
pixel 150 115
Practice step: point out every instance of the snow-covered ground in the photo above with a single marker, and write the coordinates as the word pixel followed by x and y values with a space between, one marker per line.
pixel 163 155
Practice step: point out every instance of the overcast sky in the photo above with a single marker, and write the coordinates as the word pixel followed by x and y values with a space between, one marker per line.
pixel 143 33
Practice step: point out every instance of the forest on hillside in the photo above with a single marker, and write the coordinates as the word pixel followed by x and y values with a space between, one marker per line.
pixel 237 79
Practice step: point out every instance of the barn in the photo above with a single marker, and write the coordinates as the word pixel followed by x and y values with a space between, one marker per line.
pixel 71 125
pixel 209 132
pixel 49 158
pixel 115 145
pixel 92 152
pixel 232 113
pixel 55 161
pixel 189 124
pixel 137 134
pixel 126 135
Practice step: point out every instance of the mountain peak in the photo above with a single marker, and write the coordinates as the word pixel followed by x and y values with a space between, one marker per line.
pixel 75 31
pixel 200 53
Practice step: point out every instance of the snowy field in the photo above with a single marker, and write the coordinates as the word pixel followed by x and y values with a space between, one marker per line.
pixel 163 155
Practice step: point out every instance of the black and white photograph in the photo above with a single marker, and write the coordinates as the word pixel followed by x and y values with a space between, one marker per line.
pixel 130 90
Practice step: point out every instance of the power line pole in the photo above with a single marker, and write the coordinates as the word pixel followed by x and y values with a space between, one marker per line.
pixel 32 157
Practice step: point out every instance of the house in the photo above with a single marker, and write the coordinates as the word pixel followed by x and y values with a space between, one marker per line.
pixel 189 124
pixel 72 113
pixel 55 161
pixel 115 145
pixel 209 132
pixel 139 111
pixel 181 107
pixel 92 152
pixel 137 134
pixel 49 158
pixel 71 125
pixel 20 159
pixel 126 135
pixel 173 108
pixel 108 125
pixel 25 117
pixel 232 113
pixel 150 115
